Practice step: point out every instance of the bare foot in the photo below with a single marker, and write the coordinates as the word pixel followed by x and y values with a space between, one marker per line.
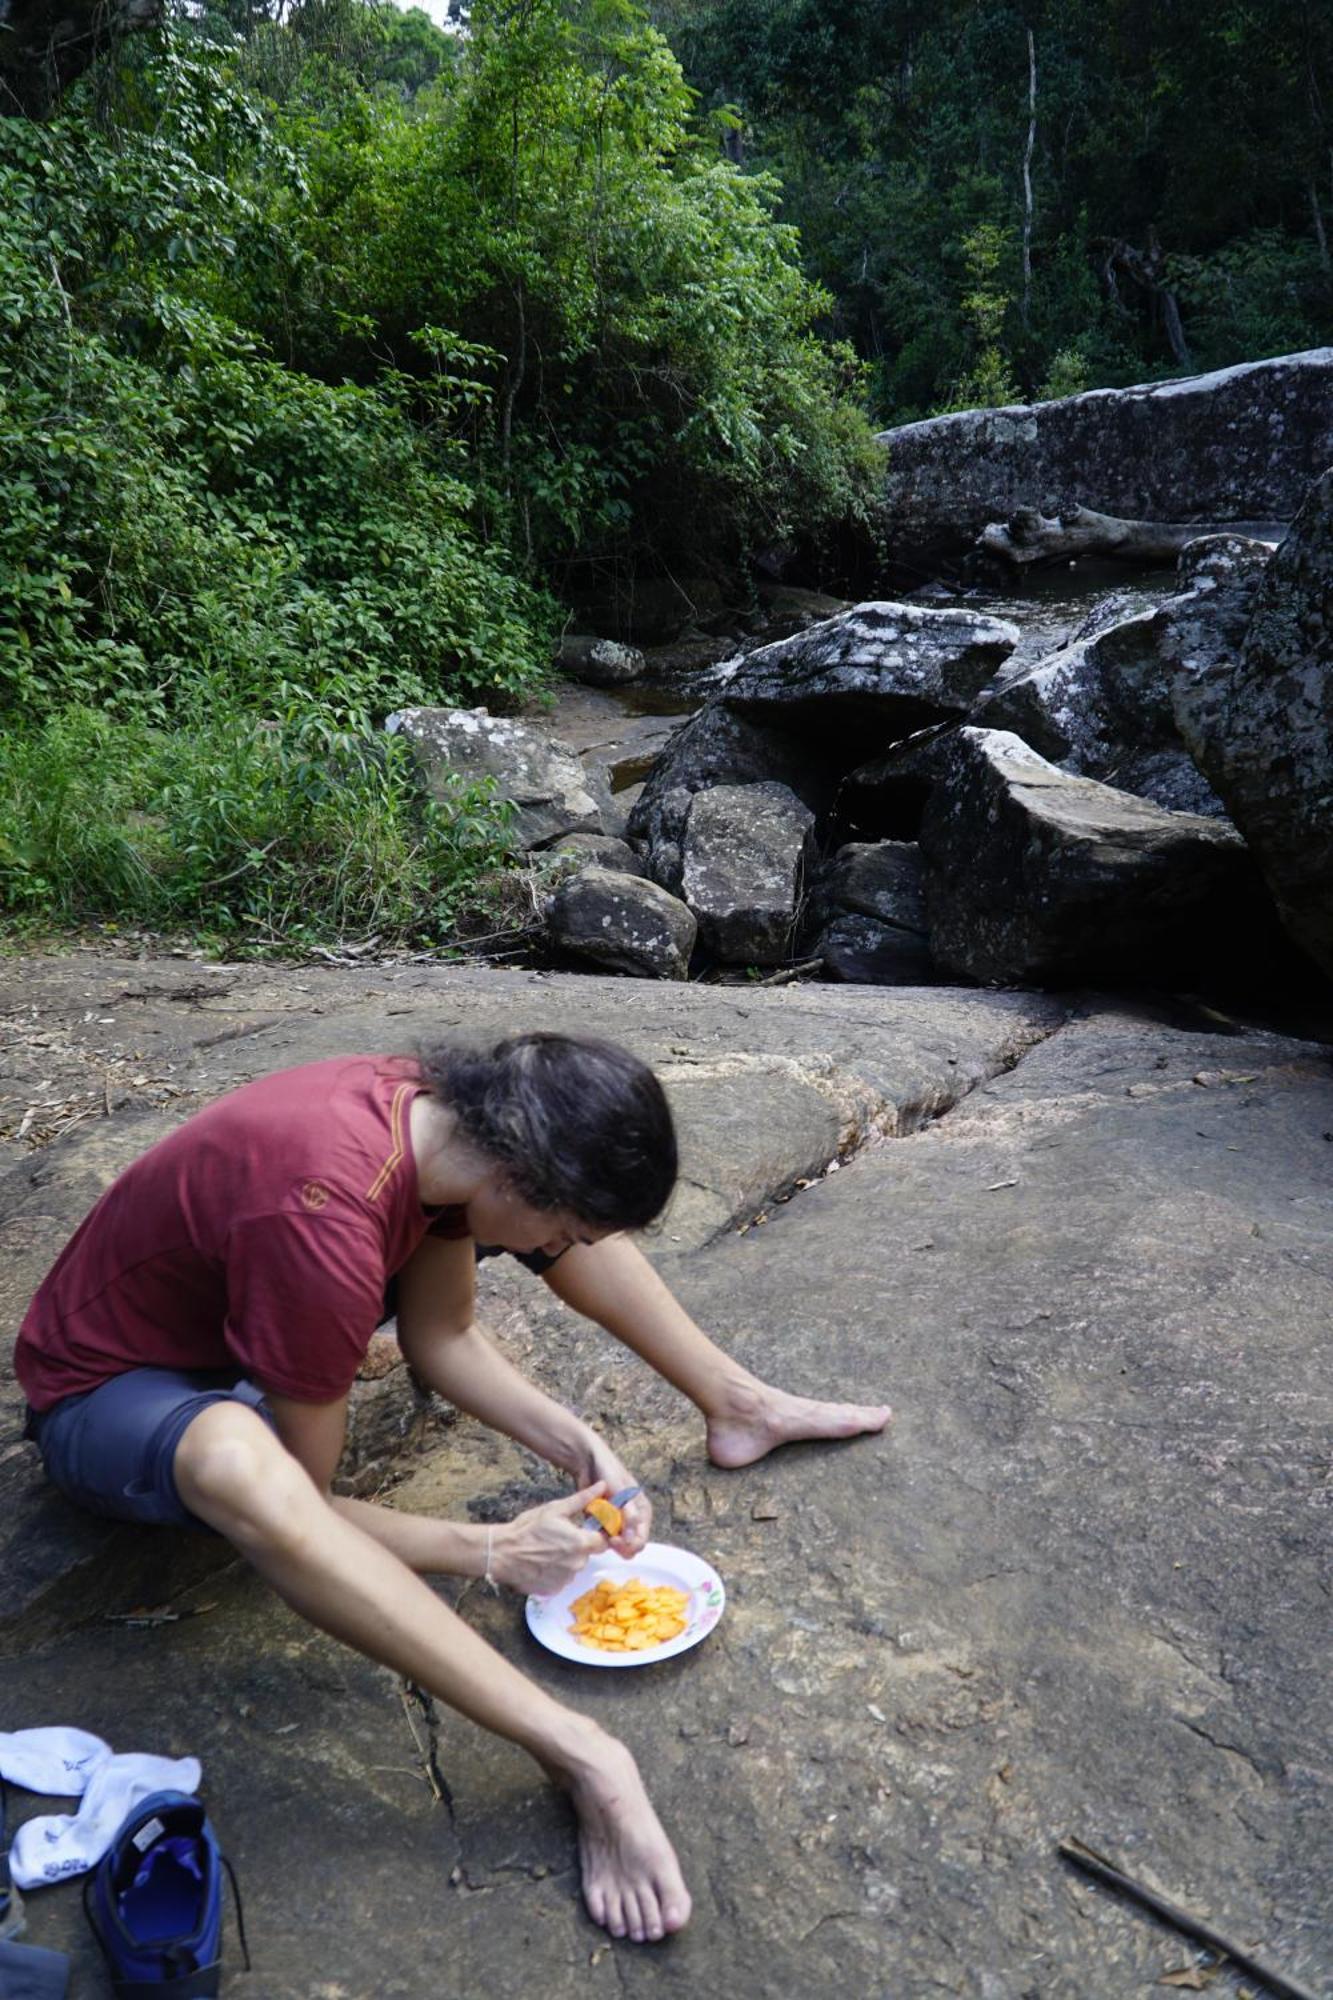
pixel 759 1418
pixel 632 1882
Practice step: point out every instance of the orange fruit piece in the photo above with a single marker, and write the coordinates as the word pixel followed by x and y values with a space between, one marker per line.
pixel 628 1617
pixel 606 1515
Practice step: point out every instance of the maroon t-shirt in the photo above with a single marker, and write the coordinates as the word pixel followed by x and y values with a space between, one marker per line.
pixel 259 1236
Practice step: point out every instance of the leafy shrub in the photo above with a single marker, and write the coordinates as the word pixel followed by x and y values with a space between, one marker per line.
pixel 1256 296
pixel 172 503
pixel 319 357
pixel 1068 375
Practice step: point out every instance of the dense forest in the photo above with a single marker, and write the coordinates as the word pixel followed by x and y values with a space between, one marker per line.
pixel 342 355
pixel 1023 198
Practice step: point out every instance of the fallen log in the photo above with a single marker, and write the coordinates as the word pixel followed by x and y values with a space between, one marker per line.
pixel 1029 536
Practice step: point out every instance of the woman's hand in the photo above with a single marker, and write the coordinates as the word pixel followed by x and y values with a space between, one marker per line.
pixel 638 1524
pixel 603 1464
pixel 545 1547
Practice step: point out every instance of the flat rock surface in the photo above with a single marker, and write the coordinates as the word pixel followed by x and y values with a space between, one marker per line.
pixel 1081 1586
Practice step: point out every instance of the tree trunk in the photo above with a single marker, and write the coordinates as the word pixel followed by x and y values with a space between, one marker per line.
pixel 1027 175
pixel 1146 268
pixel 515 371
pixel 45 45
pixel 1175 332
pixel 1029 536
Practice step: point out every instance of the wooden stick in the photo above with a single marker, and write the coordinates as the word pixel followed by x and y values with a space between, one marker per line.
pixel 414 1700
pixel 1106 1872
pixel 790 972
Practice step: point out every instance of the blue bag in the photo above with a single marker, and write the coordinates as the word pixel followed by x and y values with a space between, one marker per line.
pixel 155 1902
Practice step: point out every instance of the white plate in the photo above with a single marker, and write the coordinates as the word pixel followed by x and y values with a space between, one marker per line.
pixel 549 1618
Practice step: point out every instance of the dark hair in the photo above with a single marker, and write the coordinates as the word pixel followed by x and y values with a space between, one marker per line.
pixel 577 1123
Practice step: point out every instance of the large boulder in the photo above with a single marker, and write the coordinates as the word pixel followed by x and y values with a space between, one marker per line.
pixel 1259 721
pixel 867 915
pixel 658 821
pixel 1101 705
pixel 594 850
pixel 541 779
pixel 1240 444
pixel 1032 874
pixel 719 747
pixel 623 924
pixel 883 668
pixel 804 710
pixel 716 747
pixel 1222 559
pixel 879 879
pixel 599 662
pixel 862 952
pixel 743 870
pixel 1201 632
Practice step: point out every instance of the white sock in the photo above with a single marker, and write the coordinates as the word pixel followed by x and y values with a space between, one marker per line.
pixel 57 1762
pixel 55 1845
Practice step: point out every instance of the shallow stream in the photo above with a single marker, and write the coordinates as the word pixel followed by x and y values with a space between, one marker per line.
pixel 620 731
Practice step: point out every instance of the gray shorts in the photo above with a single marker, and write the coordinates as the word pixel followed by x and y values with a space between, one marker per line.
pixel 113 1449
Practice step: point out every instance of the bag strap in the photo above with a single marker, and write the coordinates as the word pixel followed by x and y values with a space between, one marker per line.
pixel 200 1985
pixel 240 1914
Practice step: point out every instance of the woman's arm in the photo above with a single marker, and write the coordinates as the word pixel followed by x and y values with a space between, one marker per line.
pixel 540 1549
pixel 314 1434
pixel 451 1354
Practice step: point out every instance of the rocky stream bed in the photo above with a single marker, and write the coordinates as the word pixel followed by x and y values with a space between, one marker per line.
pixel 1054 1179
pixel 1082 1585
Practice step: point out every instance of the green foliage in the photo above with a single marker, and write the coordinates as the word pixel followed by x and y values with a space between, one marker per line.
pixel 1197 140
pixel 331 343
pixel 1069 375
pixel 260 835
pixel 328 341
pixel 986 305
pixel 215 571
pixel 1255 296
pixel 321 49
pixel 171 502
pixel 659 395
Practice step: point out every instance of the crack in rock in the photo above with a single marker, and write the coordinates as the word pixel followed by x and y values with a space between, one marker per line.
pixel 832 1917
pixel 866 1114
pixel 1267 1768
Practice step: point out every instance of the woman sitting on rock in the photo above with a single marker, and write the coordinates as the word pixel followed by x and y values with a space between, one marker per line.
pixel 188 1359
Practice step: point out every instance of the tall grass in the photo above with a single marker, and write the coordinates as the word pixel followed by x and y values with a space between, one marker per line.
pixel 262 835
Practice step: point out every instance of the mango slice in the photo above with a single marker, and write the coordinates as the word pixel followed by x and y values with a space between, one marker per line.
pixel 629 1617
